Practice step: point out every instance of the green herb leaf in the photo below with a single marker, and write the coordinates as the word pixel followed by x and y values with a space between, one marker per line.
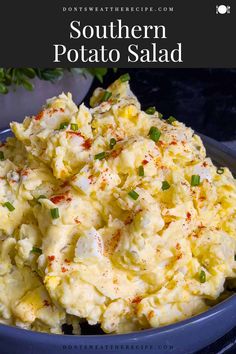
pixel 154 134
pixel 36 250
pixel 141 171
pixel 29 72
pixel 124 77
pixel 3 88
pixel 134 195
pixel 220 170
pixel 151 110
pixel 55 213
pixel 1 73
pixel 74 127
pixel 112 143
pixel 99 73
pixel 106 96
pixel 27 85
pixel 9 206
pixel 171 120
pixel 202 276
pixel 51 74
pixel 41 197
pixel 2 156
pixel 195 180
pixel 63 125
pixel 100 156
pixel 165 185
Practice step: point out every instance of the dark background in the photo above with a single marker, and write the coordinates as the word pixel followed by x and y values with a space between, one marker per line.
pixel 204 99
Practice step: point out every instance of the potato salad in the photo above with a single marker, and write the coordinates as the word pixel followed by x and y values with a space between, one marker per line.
pixel 113 215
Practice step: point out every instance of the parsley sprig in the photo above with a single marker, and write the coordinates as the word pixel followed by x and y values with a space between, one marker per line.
pixel 23 77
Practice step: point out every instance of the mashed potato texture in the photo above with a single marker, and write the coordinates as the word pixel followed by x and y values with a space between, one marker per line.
pixel 111 214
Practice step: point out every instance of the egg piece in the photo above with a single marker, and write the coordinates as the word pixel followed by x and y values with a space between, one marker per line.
pixel 89 245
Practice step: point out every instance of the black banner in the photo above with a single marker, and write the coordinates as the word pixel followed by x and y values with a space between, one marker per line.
pixel 116 33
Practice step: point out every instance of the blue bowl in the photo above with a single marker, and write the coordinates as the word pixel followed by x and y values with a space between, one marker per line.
pixel 183 337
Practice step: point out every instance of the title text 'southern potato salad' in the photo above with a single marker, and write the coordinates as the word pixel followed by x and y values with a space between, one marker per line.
pixel 111 214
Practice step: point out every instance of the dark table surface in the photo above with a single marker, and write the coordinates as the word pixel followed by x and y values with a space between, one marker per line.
pixel 204 99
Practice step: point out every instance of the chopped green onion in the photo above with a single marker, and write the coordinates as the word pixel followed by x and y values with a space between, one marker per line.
pixel 195 180
pixel 125 77
pixel 2 156
pixel 100 156
pixel 112 143
pixel 202 276
pixel 134 195
pixel 36 250
pixel 106 96
pixel 165 185
pixel 74 127
pixel 220 170
pixel 63 125
pixel 55 213
pixel 154 134
pixel 160 115
pixel 171 119
pixel 9 206
pixel 141 171
pixel 151 110
pixel 42 197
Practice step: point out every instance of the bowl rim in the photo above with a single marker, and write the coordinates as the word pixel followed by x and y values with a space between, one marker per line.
pixel 150 332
